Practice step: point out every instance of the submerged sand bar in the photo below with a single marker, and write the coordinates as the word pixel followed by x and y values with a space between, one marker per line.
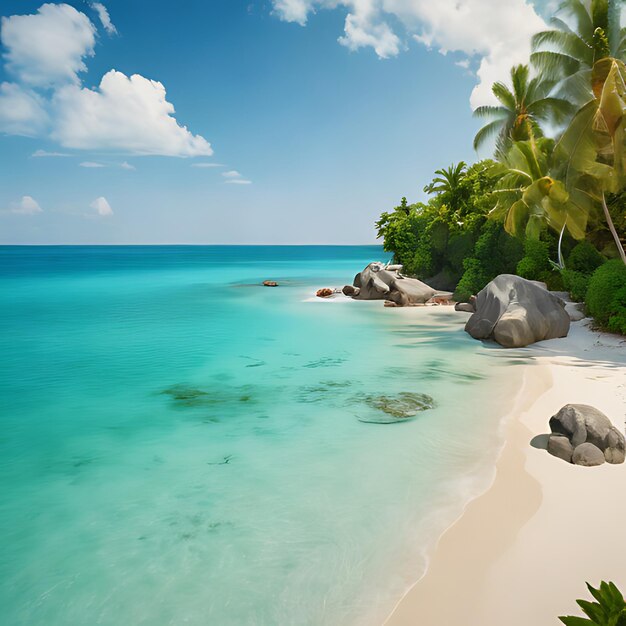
pixel 522 551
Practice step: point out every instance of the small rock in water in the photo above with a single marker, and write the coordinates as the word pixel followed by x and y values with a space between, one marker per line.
pixel 397 408
pixel 324 293
pixel 270 283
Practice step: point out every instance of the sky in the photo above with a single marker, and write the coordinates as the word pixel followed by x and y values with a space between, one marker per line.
pixel 238 122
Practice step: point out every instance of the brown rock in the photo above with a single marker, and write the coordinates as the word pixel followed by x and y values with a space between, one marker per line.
pixel 560 446
pixel 270 283
pixel 324 293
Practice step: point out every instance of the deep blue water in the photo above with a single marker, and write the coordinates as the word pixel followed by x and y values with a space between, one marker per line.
pixel 180 445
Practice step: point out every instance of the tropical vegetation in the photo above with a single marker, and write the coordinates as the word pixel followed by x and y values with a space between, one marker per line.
pixel 609 608
pixel 551 204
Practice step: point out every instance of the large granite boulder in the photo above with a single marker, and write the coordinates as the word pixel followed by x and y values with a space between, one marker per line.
pixel 516 312
pixel 385 282
pixel 583 426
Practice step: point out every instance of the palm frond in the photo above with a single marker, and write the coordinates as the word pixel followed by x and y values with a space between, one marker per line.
pixel 566 43
pixel 490 112
pixel 554 64
pixel 486 132
pixel 504 94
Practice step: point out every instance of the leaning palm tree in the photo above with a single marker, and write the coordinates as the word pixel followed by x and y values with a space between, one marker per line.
pixel 522 107
pixel 584 31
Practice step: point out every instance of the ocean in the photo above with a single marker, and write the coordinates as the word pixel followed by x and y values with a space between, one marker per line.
pixel 180 445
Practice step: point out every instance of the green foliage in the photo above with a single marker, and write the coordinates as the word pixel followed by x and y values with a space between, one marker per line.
pixel 495 252
pixel 576 283
pixel 584 258
pixel 609 609
pixel 535 263
pixel 606 296
pixel 436 238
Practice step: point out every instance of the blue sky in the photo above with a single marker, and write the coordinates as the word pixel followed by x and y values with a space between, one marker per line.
pixel 311 137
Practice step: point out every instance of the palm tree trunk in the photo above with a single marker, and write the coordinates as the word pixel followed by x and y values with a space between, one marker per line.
pixel 609 221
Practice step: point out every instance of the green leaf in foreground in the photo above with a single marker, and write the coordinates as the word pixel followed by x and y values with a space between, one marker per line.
pixel 608 610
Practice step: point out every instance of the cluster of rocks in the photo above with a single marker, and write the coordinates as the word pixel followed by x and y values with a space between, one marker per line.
pixel 386 282
pixel 585 436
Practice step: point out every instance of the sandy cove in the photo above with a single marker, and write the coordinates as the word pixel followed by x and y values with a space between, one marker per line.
pixel 521 552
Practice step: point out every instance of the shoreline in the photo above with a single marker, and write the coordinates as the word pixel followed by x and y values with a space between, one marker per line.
pixel 538 513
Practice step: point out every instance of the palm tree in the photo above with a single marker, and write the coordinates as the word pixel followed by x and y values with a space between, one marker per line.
pixel 584 32
pixel 521 108
pixel 447 180
pixel 593 148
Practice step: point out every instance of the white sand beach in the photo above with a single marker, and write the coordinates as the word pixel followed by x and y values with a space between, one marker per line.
pixel 520 553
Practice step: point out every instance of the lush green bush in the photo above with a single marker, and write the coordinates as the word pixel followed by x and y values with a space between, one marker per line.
pixel 617 313
pixel 535 263
pixel 495 252
pixel 576 283
pixel 606 296
pixel 584 258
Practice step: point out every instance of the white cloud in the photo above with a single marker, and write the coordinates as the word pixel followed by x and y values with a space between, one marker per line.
pixel 496 32
pixel 127 166
pixel 231 174
pixel 204 164
pixel 464 63
pixel 293 10
pixel 26 206
pixel 91 164
pixel 48 48
pixel 102 207
pixel 238 181
pixel 45 153
pixel 104 17
pixel 22 112
pixel 45 51
pixel 129 114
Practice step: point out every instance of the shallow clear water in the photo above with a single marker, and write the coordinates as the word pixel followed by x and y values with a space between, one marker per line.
pixel 179 445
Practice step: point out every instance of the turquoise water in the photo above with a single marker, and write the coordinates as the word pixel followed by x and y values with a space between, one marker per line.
pixel 179 445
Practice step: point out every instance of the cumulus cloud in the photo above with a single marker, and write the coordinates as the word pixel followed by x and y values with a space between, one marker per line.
pixel 45 52
pixel 22 112
pixel 104 17
pixel 48 48
pixel 238 181
pixel 205 164
pixel 231 174
pixel 494 32
pixel 26 206
pixel 127 166
pixel 124 113
pixel 102 207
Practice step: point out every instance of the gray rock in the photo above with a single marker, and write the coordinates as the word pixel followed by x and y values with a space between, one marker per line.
pixel 615 446
pixel 516 312
pixel 467 307
pixel 560 446
pixel 588 455
pixel 575 311
pixel 570 421
pixel 379 282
